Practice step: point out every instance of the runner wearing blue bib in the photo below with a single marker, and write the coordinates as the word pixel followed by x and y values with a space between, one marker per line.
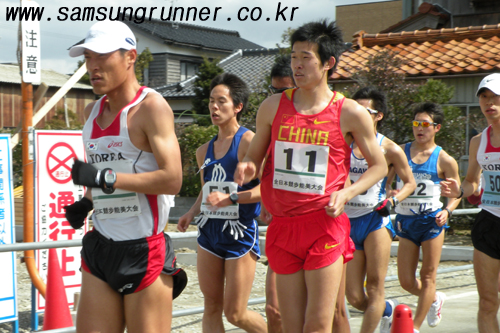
pixel 484 155
pixel 228 238
pixel 420 220
pixel 371 228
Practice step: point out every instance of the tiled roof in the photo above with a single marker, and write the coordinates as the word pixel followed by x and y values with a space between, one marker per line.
pixel 250 65
pixel 9 73
pixel 191 35
pixel 468 50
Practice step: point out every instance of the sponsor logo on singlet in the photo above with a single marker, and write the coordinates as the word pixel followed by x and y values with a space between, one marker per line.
pixel 115 144
pixel 422 176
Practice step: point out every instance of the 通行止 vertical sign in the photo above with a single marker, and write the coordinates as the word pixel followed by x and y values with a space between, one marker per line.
pixel 55 152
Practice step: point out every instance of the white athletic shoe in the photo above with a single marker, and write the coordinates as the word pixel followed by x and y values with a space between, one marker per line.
pixel 434 315
pixel 386 322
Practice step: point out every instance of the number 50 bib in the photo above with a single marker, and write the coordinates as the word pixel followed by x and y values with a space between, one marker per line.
pixel 300 167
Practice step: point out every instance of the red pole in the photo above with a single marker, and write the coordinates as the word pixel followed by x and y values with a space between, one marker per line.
pixel 29 256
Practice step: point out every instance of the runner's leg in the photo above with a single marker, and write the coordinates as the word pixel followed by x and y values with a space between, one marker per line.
pixel 378 251
pixel 272 306
pixel 211 279
pixel 150 310
pixel 431 255
pixel 486 270
pixel 340 318
pixel 240 274
pixel 100 308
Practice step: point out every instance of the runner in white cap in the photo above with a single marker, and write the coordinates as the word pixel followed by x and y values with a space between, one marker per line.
pixel 128 265
pixel 484 155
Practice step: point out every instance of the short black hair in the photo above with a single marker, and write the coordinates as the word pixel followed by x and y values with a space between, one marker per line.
pixel 378 97
pixel 432 109
pixel 238 89
pixel 282 67
pixel 326 35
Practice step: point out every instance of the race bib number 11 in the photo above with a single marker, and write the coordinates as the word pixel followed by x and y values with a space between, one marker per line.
pixel 300 167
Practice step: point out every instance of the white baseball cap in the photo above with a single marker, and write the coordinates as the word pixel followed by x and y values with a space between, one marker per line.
pixel 491 82
pixel 105 37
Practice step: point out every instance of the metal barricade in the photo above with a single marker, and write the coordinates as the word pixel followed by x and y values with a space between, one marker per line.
pixel 178 235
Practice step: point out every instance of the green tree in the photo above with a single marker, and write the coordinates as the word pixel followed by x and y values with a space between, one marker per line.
pixel 58 121
pixel 85 79
pixel 382 71
pixel 142 63
pixel 190 139
pixel 206 72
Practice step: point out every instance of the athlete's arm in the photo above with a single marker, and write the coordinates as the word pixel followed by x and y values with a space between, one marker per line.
pixel 156 121
pixel 450 188
pixel 356 124
pixel 396 158
pixel 250 166
pixel 449 167
pixel 186 219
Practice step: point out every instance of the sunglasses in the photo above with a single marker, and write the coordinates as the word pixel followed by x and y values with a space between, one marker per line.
pixel 274 90
pixel 416 123
pixel 372 111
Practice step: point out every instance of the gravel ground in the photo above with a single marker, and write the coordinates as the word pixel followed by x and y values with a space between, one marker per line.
pixel 192 297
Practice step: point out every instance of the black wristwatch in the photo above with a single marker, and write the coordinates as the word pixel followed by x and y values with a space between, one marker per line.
pixel 234 197
pixel 109 180
pixel 461 193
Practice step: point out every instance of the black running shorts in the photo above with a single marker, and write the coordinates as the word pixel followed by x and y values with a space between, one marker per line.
pixel 485 234
pixel 130 266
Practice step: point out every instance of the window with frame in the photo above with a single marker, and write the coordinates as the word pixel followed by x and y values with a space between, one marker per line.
pixel 188 69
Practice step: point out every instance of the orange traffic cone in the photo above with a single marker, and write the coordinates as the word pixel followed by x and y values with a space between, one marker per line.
pixel 57 313
pixel 402 320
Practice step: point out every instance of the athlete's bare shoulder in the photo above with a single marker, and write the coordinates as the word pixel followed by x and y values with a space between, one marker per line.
pixel 268 109
pixel 447 164
pixel 154 104
pixel 476 139
pixel 391 148
pixel 201 152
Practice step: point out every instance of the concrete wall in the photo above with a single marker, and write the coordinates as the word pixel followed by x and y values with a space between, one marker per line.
pixel 371 17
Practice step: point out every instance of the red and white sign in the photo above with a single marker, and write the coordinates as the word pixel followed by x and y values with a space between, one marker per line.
pixel 55 152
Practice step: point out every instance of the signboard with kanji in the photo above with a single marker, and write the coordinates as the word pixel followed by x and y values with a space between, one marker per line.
pixel 8 283
pixel 55 152
pixel 30 31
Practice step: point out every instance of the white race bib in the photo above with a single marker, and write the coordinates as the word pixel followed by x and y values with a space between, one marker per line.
pixel 300 167
pixel 228 212
pixel 491 194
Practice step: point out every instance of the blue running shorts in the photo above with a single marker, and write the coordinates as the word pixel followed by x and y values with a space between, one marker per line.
pixel 222 244
pixel 418 228
pixel 362 226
